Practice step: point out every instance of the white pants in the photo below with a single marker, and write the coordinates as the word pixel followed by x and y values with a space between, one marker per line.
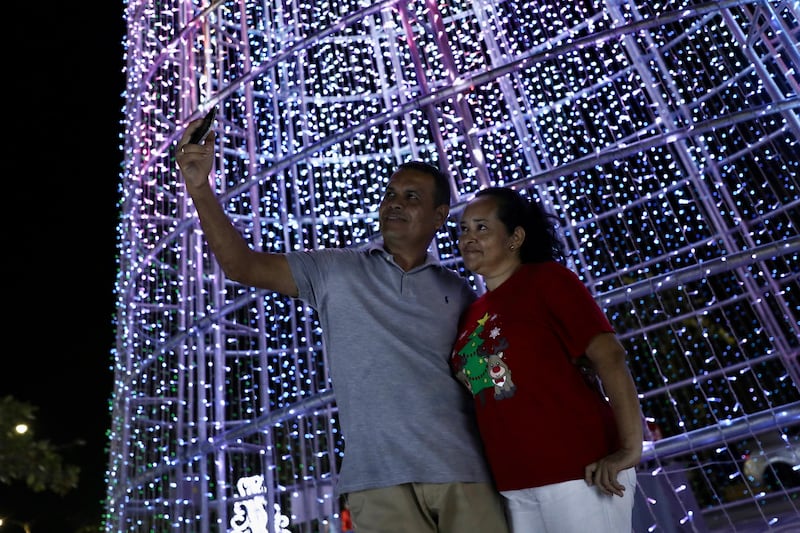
pixel 571 507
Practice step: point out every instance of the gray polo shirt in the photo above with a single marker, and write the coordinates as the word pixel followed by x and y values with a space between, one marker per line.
pixel 389 335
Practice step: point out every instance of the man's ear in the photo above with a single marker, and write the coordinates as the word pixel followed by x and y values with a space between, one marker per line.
pixel 442 212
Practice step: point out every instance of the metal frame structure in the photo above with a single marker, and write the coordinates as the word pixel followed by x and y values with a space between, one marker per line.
pixel 665 135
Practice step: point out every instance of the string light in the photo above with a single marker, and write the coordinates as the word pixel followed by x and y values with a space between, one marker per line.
pixel 664 136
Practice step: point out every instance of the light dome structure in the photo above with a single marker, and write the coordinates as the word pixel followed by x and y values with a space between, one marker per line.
pixel 664 134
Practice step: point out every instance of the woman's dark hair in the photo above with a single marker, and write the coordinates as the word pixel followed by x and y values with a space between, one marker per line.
pixel 541 238
pixel 441 191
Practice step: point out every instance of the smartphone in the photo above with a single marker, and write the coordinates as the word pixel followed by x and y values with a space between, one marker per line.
pixel 201 133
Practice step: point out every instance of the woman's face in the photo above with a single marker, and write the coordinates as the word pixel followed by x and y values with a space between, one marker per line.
pixel 484 242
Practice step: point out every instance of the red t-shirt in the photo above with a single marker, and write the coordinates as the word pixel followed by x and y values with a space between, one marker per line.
pixel 540 421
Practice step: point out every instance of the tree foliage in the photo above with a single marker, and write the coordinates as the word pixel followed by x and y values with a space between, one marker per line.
pixel 37 463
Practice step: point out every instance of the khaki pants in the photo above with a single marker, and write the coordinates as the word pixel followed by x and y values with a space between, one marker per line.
pixel 428 508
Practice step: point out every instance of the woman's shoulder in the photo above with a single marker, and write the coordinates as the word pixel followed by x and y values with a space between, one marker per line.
pixel 549 272
pixel 548 267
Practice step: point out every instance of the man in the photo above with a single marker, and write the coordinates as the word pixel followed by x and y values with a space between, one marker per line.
pixel 413 459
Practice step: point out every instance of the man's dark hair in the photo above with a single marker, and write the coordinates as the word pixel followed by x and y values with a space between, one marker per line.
pixel 441 190
pixel 541 240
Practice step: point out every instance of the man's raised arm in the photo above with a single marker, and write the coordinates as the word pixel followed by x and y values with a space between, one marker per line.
pixel 240 263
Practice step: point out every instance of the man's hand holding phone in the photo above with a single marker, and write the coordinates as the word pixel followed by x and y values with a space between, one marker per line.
pixel 194 155
pixel 199 135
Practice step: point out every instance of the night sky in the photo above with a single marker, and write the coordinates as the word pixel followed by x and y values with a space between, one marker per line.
pixel 63 162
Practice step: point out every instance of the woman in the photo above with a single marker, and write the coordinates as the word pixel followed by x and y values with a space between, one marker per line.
pixel 562 454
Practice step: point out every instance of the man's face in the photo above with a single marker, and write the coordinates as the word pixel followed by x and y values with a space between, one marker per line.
pixel 407 212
